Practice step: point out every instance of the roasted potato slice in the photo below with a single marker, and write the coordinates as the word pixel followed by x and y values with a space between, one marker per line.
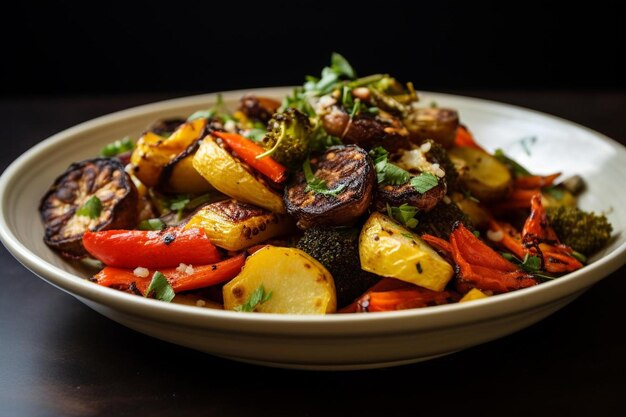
pixel 433 123
pixel 297 282
pixel 180 177
pixel 348 167
pixel 103 178
pixel 477 214
pixel 234 178
pixel 486 178
pixel 473 294
pixel 390 250
pixel 233 225
pixel 154 152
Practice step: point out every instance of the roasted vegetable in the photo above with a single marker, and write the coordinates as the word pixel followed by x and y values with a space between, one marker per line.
pixel 154 152
pixel 390 250
pixel 258 108
pixel 486 177
pixel 473 294
pixel 287 139
pixel 366 130
pixel 476 214
pixel 234 178
pixel 233 225
pixel 345 169
pixel 338 250
pixel 437 124
pixel 583 231
pixel 165 127
pixel 151 249
pixel 281 280
pixel 441 219
pixel 396 195
pixel 180 177
pixel 403 298
pixel 437 154
pixel 65 212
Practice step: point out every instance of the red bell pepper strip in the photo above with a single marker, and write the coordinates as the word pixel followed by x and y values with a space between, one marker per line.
pixel 464 138
pixel 202 276
pixel 248 151
pixel 151 249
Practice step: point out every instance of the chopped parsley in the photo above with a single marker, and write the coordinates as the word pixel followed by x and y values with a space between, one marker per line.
pixel 424 182
pixel 152 224
pixel 118 147
pixel 160 288
pixel 404 215
pixel 317 185
pixel 386 172
pixel 531 263
pixel 259 296
pixel 92 208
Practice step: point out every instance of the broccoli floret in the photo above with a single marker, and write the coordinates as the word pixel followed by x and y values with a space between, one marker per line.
pixel 583 231
pixel 338 250
pixel 441 219
pixel 288 137
pixel 438 154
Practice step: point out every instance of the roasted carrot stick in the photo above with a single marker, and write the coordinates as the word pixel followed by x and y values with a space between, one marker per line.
pixel 465 138
pixel 405 298
pixel 248 151
pixel 530 182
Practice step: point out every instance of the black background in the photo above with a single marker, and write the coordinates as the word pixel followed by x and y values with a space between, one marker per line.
pixel 63 48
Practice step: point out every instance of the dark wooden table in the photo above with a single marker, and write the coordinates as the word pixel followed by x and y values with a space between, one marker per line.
pixel 59 358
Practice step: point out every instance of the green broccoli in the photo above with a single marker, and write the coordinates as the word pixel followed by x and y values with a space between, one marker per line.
pixel 288 138
pixel 583 231
pixel 438 154
pixel 338 250
pixel 441 219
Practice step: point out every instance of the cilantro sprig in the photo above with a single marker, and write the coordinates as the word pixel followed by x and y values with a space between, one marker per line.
pixel 424 182
pixel 404 215
pixel 318 185
pixel 92 208
pixel 258 296
pixel 118 147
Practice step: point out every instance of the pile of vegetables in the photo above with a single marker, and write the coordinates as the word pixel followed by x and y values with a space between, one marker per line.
pixel 350 196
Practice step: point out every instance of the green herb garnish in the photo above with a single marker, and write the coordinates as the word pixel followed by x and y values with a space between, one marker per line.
pixel 419 268
pixel 160 288
pixel 341 66
pixel 531 263
pixel 407 235
pixel 387 173
pixel 255 134
pixel 179 202
pixel 424 182
pixel 318 185
pixel 92 208
pixel 152 224
pixel 518 170
pixel 118 147
pixel 581 258
pixel 555 192
pixel 404 215
pixel 259 296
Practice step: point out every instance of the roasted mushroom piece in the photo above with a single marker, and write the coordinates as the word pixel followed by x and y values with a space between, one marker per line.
pixel 396 195
pixel 366 130
pixel 63 210
pixel 344 168
pixel 433 123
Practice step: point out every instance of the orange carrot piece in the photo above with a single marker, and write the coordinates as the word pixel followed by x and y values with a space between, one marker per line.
pixel 464 138
pixel 535 181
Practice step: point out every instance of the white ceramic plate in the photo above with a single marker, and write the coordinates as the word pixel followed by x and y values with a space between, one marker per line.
pixel 355 341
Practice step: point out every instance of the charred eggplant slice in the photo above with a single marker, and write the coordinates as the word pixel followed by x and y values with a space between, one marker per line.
pixel 396 195
pixel 348 167
pixel 433 123
pixel 365 130
pixel 103 178
pixel 165 127
pixel 258 108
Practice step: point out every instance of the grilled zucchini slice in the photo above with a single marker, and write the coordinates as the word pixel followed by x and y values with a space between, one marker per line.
pixel 233 225
pixel 103 178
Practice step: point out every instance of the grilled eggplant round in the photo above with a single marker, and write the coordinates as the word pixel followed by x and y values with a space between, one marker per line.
pixel 103 178
pixel 346 167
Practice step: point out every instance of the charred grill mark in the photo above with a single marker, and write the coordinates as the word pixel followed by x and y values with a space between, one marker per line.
pixel 236 211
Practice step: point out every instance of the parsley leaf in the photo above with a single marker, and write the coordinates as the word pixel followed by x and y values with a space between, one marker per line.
pixel 531 263
pixel 118 147
pixel 341 66
pixel 387 173
pixel 404 214
pixel 152 224
pixel 160 288
pixel 178 203
pixel 255 134
pixel 258 296
pixel 317 185
pixel 424 182
pixel 92 208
